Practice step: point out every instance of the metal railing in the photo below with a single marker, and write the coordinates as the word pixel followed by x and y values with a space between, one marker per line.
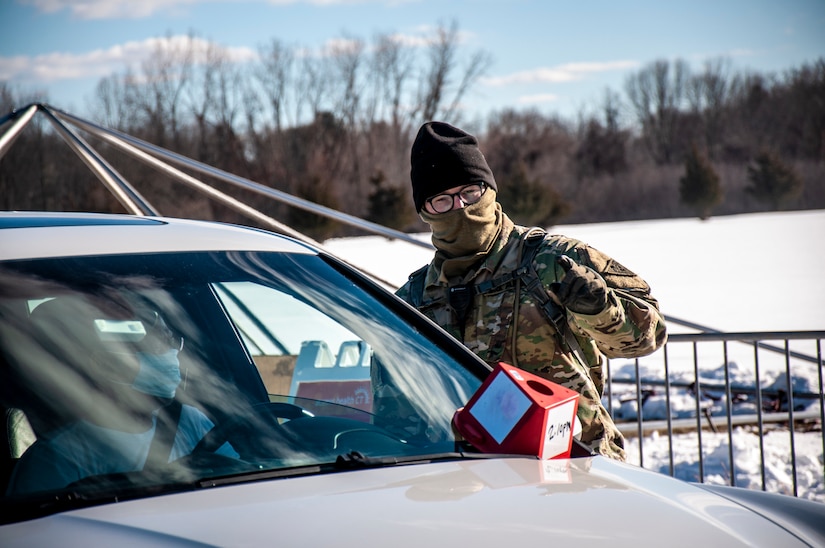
pixel 737 382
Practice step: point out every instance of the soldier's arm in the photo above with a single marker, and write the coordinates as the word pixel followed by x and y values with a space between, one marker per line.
pixel 631 324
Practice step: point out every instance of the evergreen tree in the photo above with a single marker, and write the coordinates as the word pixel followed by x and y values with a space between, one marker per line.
pixel 529 202
pixel 315 226
pixel 773 182
pixel 388 205
pixel 601 150
pixel 699 188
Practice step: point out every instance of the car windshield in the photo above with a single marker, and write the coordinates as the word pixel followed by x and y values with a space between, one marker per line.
pixel 168 369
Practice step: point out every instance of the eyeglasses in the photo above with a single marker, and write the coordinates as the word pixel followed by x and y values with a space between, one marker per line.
pixel 468 194
pixel 159 338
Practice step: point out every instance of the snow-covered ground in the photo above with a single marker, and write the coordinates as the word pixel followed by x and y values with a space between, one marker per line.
pixel 757 272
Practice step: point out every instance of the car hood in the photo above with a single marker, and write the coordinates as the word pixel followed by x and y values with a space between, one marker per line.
pixel 489 502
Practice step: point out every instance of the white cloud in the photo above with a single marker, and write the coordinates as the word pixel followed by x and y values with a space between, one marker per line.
pixel 337 46
pixel 51 67
pixel 138 9
pixel 568 72
pixel 537 99
pixel 426 35
pixel 108 9
pixel 340 2
pixel 741 52
pixel 413 40
pixel 423 36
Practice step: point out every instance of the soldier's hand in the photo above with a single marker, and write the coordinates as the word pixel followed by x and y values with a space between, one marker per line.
pixel 581 290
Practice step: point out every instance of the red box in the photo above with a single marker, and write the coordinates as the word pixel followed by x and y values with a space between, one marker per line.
pixel 519 413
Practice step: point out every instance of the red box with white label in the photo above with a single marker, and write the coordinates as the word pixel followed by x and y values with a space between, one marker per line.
pixel 519 413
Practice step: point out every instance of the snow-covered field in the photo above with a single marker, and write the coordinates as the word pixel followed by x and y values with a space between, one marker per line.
pixel 757 272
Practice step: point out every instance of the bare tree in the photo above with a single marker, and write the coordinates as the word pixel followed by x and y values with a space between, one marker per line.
pixel 602 146
pixel 657 93
pixel 709 95
pixel 275 75
pixel 110 108
pixel 441 58
pixel 311 87
pixel 392 67
pixel 166 73
pixel 475 68
pixel 439 74
pixel 346 61
pixel 118 101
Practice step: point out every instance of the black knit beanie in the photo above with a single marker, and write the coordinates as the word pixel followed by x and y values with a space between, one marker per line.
pixel 444 157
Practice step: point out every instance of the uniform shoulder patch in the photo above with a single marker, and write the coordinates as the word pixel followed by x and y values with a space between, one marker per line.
pixel 618 269
pixel 619 276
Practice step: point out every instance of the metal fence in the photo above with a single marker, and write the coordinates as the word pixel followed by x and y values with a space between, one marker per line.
pixel 719 386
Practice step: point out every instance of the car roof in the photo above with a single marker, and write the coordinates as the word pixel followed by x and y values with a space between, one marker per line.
pixel 29 235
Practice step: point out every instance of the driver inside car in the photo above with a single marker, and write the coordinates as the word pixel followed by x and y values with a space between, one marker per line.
pixel 135 423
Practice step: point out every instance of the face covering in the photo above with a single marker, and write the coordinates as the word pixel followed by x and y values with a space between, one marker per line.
pixel 463 236
pixel 159 374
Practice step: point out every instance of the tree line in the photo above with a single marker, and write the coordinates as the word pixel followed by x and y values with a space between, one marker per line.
pixel 336 129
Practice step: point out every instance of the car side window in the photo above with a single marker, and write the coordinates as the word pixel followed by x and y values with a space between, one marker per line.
pixel 298 350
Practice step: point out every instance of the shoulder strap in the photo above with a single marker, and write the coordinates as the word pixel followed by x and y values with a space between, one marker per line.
pixel 416 281
pixel 553 312
pixel 165 430
pixel 529 246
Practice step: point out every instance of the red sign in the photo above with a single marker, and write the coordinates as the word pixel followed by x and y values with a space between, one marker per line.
pixel 357 394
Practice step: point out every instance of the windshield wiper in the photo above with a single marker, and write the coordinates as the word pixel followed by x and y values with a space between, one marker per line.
pixel 357 460
pixel 104 489
pixel 353 460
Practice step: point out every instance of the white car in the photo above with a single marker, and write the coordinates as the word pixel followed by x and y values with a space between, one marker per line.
pixel 179 383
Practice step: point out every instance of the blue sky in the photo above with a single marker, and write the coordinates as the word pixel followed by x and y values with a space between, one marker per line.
pixel 556 56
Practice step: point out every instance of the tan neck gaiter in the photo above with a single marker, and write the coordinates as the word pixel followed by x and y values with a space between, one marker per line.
pixel 463 236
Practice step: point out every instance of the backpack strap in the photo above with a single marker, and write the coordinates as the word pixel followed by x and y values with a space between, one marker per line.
pixel 554 313
pixel 416 281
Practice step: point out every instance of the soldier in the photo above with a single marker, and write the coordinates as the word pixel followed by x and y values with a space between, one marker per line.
pixel 548 304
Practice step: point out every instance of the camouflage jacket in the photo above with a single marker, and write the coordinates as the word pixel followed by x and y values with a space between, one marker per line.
pixel 630 326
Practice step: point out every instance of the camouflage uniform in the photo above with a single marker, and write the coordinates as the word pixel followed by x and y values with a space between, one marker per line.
pixel 630 326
